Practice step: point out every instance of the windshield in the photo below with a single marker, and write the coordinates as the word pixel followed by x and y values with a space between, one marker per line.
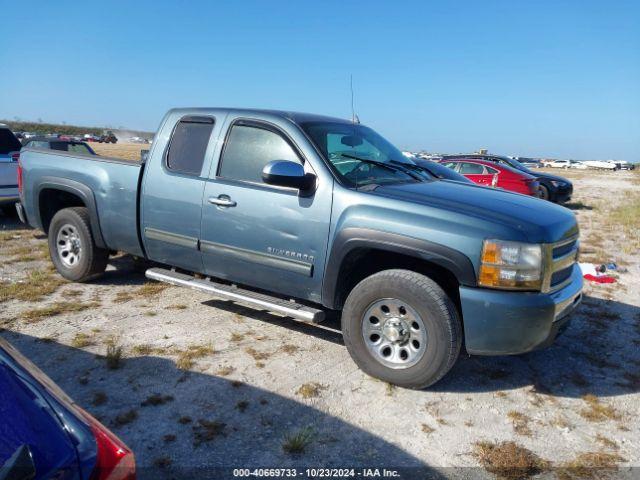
pixel 360 156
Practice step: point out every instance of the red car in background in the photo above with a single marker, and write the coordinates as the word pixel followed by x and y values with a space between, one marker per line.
pixel 491 174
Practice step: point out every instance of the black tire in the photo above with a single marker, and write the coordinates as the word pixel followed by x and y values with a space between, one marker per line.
pixel 436 310
pixel 91 260
pixel 544 192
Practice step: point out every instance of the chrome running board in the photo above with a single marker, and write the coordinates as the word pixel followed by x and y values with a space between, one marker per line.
pixel 231 292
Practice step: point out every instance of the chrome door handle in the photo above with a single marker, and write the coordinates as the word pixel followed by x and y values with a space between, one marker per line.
pixel 222 201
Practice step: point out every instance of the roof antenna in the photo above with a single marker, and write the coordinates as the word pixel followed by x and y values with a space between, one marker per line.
pixel 354 117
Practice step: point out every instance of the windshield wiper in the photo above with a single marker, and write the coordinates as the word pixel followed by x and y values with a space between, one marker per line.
pixel 412 166
pixel 393 168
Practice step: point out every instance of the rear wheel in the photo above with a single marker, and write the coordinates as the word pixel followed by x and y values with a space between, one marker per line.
pixel 401 327
pixel 72 248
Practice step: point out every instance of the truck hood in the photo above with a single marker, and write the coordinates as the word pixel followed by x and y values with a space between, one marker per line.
pixel 540 221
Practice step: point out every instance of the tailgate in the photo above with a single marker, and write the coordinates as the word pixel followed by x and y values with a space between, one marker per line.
pixel 8 172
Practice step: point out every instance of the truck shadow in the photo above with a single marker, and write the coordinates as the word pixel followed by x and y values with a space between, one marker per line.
pixel 252 423
pixel 598 354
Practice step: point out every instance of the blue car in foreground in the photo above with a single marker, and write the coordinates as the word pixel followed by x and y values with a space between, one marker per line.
pixel 44 434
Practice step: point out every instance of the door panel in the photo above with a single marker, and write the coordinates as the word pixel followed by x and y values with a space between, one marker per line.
pixel 264 236
pixel 172 194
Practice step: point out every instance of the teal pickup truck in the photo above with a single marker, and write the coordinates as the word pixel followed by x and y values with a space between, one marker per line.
pixel 300 214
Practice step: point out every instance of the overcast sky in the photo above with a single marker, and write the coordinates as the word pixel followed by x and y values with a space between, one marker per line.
pixel 541 78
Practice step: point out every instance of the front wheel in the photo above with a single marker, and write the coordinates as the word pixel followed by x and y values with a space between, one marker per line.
pixel 399 326
pixel 72 248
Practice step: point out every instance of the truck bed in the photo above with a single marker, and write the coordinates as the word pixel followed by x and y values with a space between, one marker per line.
pixel 113 183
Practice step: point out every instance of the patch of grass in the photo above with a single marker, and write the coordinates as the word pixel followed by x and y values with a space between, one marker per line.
pixel 122 297
pixel 597 411
pixel 236 337
pixel 508 460
pixel 310 390
pixel 297 442
pixel 114 355
pixel 426 428
pixel 146 349
pixel 186 358
pixel 180 306
pixel 99 398
pixel 28 253
pixel 627 216
pixel 206 430
pixel 589 465
pixel 81 340
pixel 150 313
pixel 57 308
pixel 125 417
pixel 156 399
pixel 256 354
pixel 289 348
pixel 225 370
pixel 150 289
pixel 607 442
pixel 37 285
pixel 520 422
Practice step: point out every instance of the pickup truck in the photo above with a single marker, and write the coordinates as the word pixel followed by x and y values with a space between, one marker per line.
pixel 302 214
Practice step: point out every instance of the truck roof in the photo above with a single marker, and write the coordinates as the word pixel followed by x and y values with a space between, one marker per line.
pixel 295 117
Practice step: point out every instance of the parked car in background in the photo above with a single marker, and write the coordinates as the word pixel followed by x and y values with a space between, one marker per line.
pixel 490 174
pixel 577 165
pixel 552 187
pixel 9 152
pixel 600 165
pixel 108 137
pixel 529 162
pixel 89 137
pixel 559 164
pixel 59 144
pixel 44 434
pixel 624 165
pixel 440 171
pixel 138 140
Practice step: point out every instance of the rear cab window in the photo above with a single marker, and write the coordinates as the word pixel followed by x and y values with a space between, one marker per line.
pixel 188 145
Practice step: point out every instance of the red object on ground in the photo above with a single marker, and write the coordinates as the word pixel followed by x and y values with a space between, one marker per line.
pixel 600 278
pixel 492 174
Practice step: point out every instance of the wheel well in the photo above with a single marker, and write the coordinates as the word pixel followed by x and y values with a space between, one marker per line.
pixel 361 263
pixel 53 200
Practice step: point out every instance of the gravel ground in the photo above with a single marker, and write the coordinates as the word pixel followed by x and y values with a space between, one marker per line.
pixel 209 383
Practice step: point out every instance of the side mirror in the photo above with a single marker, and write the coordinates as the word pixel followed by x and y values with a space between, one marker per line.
pixel 284 173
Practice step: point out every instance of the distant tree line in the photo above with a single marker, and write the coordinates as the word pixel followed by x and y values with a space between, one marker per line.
pixel 44 128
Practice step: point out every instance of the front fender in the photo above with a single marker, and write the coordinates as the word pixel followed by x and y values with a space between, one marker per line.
pixel 352 238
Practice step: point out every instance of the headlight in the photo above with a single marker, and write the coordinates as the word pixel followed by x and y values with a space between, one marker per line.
pixel 511 265
pixel 557 183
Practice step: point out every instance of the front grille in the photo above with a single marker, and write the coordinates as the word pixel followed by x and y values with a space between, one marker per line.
pixel 559 259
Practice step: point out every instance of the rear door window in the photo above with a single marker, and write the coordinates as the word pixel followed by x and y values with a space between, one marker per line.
pixel 188 145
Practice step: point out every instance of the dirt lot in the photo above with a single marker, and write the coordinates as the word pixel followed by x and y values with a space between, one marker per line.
pixel 204 382
pixel 127 151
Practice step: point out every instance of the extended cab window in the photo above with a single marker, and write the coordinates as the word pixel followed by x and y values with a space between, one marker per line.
pixel 188 146
pixel 249 149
